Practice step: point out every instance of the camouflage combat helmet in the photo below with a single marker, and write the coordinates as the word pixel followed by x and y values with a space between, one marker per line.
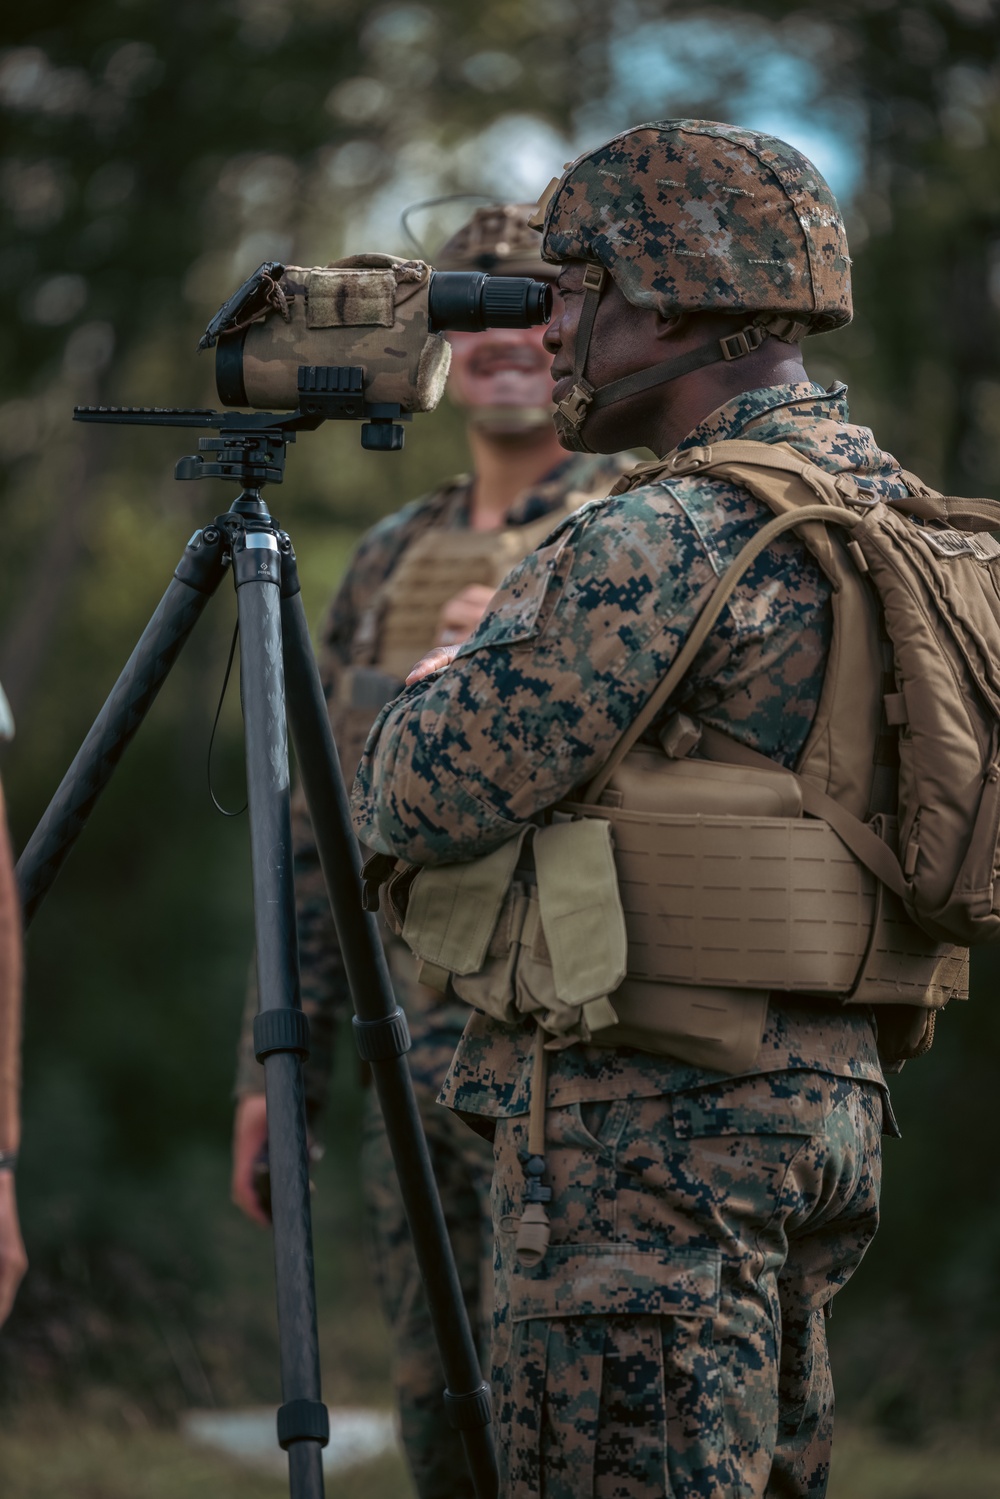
pixel 497 240
pixel 692 215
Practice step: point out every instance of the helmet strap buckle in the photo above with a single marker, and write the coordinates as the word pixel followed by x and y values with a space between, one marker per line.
pixel 788 330
pixel 574 407
pixel 736 345
pixel 593 277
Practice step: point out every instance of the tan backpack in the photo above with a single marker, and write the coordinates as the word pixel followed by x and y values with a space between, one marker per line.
pixel 937 583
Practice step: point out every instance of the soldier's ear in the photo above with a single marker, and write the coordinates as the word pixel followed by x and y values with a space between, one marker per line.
pixel 671 326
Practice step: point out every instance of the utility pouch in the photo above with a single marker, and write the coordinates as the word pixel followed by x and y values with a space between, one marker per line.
pixel 452 910
pixel 532 929
pixel 566 986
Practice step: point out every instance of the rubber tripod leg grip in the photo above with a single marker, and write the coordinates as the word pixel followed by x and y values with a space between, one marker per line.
pixel 388 1036
pixel 286 1029
pixel 303 1421
pixel 467 1412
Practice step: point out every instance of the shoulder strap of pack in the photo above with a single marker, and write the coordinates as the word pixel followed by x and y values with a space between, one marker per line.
pixel 847 765
pixel 965 514
pixel 706 620
pixel 972 515
pixel 738 461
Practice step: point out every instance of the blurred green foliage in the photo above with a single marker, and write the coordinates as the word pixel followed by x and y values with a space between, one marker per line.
pixel 152 157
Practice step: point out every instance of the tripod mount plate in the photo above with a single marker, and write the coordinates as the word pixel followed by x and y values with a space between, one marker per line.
pixel 251 445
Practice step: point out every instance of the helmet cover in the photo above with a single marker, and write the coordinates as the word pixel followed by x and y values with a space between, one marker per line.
pixel 692 215
pixel 496 239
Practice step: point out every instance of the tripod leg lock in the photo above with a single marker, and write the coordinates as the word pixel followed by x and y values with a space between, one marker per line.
pixel 471 1411
pixel 283 1029
pixel 303 1421
pixel 378 1040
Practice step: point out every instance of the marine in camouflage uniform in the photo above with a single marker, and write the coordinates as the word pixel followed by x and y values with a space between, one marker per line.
pixel 672 1339
pixel 380 620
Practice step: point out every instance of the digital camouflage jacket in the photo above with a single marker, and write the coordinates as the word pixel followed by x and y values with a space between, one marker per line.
pixel 580 635
pixel 349 636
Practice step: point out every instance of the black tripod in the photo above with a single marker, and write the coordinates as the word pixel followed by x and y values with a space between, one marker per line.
pixel 278 673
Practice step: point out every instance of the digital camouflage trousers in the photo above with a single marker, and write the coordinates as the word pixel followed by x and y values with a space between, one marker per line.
pixel 463 1168
pixel 673 1340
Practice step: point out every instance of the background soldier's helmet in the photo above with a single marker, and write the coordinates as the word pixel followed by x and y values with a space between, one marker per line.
pixel 692 214
pixel 497 240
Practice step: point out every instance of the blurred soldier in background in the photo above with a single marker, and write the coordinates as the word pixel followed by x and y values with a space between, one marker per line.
pixel 422 577
pixel 13 1261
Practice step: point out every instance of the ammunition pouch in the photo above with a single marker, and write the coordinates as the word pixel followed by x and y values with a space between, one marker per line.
pixel 533 929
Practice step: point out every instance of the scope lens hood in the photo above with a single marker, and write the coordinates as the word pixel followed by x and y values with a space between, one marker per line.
pixel 469 301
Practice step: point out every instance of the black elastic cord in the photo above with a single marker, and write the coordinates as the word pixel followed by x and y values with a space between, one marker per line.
pixel 218 713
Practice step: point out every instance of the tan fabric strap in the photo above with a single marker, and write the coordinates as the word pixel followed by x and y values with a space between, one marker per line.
pixel 706 621
pixel 866 845
pixel 973 515
pixel 539 1081
pixel 765 455
pixel 534 1229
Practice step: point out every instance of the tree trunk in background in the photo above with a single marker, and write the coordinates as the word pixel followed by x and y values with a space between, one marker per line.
pixel 33 623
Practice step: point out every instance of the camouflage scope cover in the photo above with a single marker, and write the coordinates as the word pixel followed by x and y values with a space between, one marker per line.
pixel 497 240
pixel 367 310
pixel 692 214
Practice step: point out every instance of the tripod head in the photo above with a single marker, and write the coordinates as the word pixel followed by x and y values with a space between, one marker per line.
pixel 250 447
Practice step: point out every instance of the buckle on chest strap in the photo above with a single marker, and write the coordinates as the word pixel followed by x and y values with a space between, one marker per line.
pixel 688 460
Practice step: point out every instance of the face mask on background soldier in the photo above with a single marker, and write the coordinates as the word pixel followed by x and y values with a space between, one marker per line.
pixel 500 377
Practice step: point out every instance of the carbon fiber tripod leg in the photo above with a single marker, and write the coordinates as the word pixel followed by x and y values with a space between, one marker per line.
pixel 195 579
pixel 281 1034
pixel 380 1028
pixel 280 1030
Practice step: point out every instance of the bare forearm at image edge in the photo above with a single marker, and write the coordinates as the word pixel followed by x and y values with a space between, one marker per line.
pixel 10 995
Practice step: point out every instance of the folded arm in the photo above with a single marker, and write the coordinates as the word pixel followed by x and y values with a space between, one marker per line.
pixel 579 635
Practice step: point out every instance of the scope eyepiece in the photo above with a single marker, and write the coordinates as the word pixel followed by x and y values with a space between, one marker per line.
pixel 468 301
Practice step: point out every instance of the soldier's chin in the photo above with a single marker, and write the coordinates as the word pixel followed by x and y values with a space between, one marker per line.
pixel 509 421
pixel 571 436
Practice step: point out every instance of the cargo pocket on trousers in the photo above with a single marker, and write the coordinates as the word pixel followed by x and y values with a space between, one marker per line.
pixel 767 1103
pixel 611 1381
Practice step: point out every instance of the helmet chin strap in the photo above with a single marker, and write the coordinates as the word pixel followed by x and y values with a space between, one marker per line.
pixel 574 409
